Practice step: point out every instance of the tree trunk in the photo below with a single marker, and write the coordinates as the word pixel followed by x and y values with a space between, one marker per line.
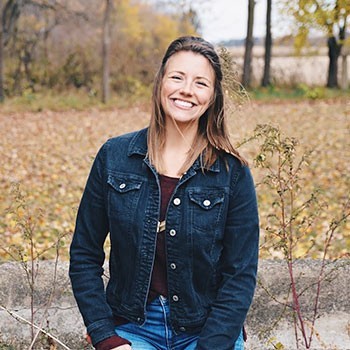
pixel 344 68
pixel 249 42
pixel 268 46
pixel 106 52
pixel 2 96
pixel 333 54
pixel 344 72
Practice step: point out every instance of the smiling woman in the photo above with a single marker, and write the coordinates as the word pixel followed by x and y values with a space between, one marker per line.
pixel 209 135
pixel 186 93
pixel 179 204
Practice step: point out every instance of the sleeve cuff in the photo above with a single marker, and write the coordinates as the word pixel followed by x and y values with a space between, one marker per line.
pixel 111 343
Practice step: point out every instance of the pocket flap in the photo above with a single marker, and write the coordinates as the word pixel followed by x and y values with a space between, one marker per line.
pixel 206 200
pixel 123 184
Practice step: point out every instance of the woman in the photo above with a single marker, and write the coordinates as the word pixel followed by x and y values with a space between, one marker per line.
pixel 180 206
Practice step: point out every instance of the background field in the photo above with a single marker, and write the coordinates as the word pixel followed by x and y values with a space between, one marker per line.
pixel 46 157
pixel 287 68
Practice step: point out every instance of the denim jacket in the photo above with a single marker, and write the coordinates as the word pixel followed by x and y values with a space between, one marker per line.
pixel 212 234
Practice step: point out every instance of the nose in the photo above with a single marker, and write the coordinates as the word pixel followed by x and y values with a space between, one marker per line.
pixel 186 88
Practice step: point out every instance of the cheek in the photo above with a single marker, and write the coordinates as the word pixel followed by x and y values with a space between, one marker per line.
pixel 207 99
pixel 165 91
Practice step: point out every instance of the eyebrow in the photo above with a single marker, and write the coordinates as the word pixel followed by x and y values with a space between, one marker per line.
pixel 182 73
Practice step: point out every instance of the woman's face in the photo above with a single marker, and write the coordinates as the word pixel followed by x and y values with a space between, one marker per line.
pixel 187 87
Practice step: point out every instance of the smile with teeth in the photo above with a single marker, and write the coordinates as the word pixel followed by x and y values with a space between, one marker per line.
pixel 182 103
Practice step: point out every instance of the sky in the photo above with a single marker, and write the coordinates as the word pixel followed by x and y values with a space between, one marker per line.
pixel 227 19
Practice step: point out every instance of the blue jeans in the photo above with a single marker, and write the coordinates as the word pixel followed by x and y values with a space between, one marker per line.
pixel 156 332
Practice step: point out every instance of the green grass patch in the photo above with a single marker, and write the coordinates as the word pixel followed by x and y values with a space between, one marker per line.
pixel 300 92
pixel 72 100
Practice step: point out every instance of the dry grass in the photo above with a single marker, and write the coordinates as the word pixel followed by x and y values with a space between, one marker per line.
pixel 49 154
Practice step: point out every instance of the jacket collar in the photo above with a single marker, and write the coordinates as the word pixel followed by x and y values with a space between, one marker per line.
pixel 138 145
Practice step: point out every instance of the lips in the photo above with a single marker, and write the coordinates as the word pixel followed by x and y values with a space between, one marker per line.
pixel 183 104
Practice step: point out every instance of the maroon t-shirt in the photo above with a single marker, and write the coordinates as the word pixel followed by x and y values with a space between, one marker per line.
pixel 159 284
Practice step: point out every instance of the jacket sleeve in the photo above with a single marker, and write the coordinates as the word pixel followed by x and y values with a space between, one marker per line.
pixel 87 255
pixel 237 267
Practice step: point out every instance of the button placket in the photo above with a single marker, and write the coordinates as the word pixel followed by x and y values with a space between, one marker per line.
pixel 172 233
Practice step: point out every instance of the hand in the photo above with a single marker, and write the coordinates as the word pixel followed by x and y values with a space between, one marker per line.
pixel 123 347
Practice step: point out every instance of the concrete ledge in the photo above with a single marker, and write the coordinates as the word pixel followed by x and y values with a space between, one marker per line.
pixel 269 321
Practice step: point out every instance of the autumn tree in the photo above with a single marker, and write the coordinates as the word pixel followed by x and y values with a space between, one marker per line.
pixel 186 12
pixel 141 33
pixel 23 25
pixel 329 16
pixel 57 44
pixel 190 21
pixel 249 42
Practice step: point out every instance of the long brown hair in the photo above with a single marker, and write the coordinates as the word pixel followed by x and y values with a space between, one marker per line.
pixel 212 135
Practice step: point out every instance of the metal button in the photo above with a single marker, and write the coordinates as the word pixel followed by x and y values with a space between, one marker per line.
pixel 206 203
pixel 173 266
pixel 121 186
pixel 172 232
pixel 177 201
pixel 182 329
pixel 175 298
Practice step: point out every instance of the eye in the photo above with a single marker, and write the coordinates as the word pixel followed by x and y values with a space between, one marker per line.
pixel 202 83
pixel 176 77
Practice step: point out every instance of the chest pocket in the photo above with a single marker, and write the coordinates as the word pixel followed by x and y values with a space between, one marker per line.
pixel 206 208
pixel 123 195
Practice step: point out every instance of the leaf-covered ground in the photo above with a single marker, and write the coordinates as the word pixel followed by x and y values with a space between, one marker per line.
pixel 322 128
pixel 46 157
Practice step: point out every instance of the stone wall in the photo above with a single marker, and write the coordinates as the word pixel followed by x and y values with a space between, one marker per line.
pixel 269 323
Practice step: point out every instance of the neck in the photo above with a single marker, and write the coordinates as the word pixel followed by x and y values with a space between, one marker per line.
pixel 178 143
pixel 180 135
